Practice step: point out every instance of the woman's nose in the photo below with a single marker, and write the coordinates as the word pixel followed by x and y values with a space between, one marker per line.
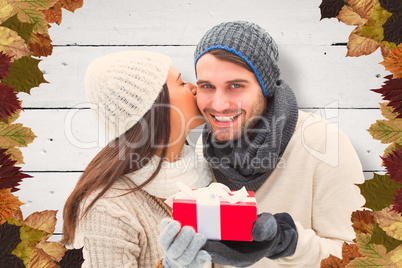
pixel 192 88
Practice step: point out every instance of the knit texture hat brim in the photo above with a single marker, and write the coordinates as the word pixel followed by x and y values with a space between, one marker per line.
pixel 123 86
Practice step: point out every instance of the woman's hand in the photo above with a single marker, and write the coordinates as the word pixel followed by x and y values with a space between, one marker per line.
pixel 182 246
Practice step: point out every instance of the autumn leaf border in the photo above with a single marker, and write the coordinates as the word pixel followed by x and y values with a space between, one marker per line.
pixel 25 24
pixel 378 231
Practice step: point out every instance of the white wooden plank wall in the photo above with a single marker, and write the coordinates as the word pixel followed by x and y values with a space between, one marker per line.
pixel 312 59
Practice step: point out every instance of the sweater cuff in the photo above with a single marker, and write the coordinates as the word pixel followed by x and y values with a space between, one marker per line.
pixel 311 249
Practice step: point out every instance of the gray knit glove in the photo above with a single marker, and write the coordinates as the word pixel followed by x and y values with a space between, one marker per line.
pixel 274 236
pixel 182 248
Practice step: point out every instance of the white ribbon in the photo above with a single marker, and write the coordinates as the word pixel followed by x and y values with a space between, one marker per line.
pixel 208 205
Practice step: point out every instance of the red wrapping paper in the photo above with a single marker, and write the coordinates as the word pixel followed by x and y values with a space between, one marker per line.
pixel 236 220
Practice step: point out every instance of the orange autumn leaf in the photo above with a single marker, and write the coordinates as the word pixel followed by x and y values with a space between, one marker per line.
pixel 44 221
pixel 53 249
pixel 331 262
pixel 40 259
pixel 40 45
pixel 12 44
pixel 348 16
pixel 18 215
pixel 363 221
pixel 8 204
pixel 71 5
pixel 385 51
pixel 363 7
pixel 349 252
pixel 53 14
pixel 360 45
pixel 393 62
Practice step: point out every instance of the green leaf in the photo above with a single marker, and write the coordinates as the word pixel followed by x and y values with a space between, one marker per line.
pixel 379 192
pixel 15 135
pixel 373 28
pixel 24 74
pixel 375 255
pixel 379 237
pixel 23 29
pixel 387 131
pixel 30 237
pixel 30 11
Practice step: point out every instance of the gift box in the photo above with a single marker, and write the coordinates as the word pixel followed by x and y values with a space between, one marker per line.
pixel 216 212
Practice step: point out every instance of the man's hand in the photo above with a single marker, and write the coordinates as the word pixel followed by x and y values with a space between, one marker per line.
pixel 274 236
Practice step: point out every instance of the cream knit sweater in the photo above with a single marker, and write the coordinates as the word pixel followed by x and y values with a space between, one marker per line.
pixel 123 230
pixel 315 183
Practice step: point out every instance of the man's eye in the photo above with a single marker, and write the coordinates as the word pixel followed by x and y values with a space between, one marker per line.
pixel 206 86
pixel 236 86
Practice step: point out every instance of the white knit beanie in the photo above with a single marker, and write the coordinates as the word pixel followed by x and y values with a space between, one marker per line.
pixel 123 86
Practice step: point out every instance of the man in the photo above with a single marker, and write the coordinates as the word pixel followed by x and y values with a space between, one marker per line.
pixel 256 137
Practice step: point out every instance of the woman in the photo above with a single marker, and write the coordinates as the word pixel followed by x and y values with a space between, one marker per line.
pixel 117 205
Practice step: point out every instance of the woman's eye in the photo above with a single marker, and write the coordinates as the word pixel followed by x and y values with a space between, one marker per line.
pixel 184 83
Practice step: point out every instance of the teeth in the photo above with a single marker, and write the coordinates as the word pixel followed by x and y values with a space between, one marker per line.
pixel 225 118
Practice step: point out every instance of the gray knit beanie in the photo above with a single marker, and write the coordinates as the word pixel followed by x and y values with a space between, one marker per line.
pixel 251 43
pixel 123 86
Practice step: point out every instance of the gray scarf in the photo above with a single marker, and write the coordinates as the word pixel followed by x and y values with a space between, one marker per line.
pixel 249 160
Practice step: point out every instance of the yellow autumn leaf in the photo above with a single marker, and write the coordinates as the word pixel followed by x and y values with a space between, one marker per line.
pixel 15 135
pixel 11 119
pixel 44 221
pixel 30 238
pixel 373 27
pixel 7 9
pixel 53 249
pixel 40 259
pixel 396 256
pixel 15 155
pixel 359 45
pixel 363 7
pixel 348 16
pixel 392 147
pixel 387 131
pixel 30 11
pixel 8 204
pixel 387 111
pixel 12 44
pixel 390 221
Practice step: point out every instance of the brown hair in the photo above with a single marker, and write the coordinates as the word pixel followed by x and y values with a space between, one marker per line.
pixel 230 57
pixel 113 161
